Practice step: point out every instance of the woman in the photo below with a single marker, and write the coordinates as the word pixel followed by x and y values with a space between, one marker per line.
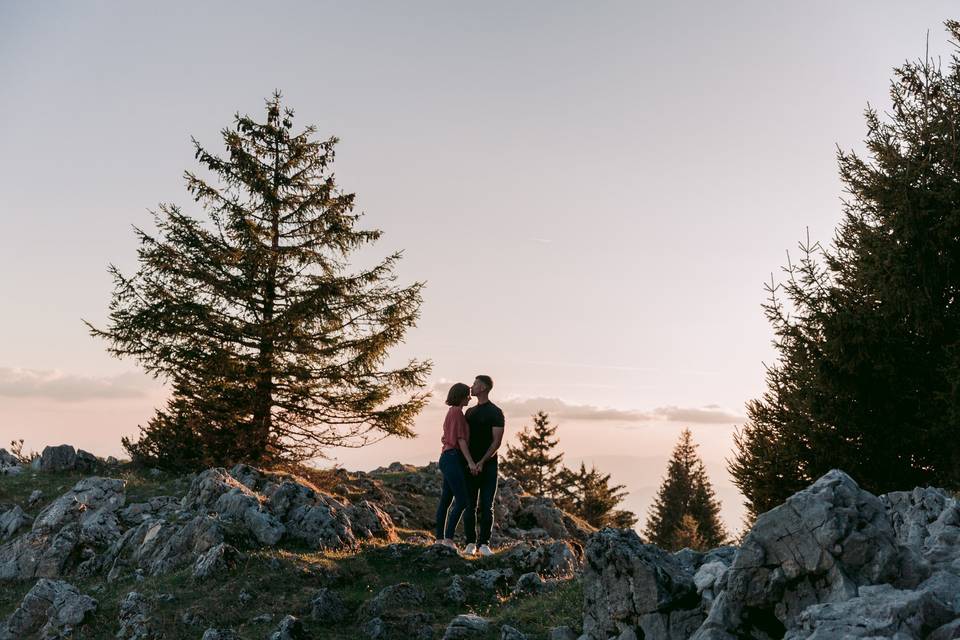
pixel 455 460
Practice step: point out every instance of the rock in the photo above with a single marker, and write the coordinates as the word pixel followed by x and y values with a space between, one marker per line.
pixel 544 514
pixel 818 547
pixel 160 507
pixel 396 597
pixel 404 626
pixel 86 462
pixel 77 525
pixel 456 592
pixel 12 521
pixel 10 465
pixel 220 634
pixel 135 619
pixel 632 586
pixel 215 490
pixel 35 496
pixel 370 521
pixel 466 625
pixel 509 633
pixel 290 628
pixel 710 579
pixel 927 522
pixel 327 606
pixel 51 609
pixel 562 633
pixel 529 583
pixel 156 547
pixel 59 458
pixel 218 560
pixel 555 559
pixel 879 611
pixel 491 579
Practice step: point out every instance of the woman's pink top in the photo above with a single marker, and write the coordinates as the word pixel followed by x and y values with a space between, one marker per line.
pixel 454 427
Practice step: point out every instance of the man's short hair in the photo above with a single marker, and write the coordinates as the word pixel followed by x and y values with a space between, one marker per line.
pixel 486 380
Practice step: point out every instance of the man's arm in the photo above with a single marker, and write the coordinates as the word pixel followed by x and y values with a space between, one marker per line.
pixel 497 439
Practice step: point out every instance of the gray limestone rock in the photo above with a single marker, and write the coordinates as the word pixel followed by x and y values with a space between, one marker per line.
pixel 216 561
pixel 58 458
pixel 290 628
pixel 135 619
pixel 396 597
pixel 818 547
pixel 327 606
pixel 52 609
pixel 12 521
pixel 510 633
pixel 630 586
pixel 466 625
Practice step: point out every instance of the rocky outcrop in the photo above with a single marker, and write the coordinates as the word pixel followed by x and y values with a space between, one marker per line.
pixel 65 458
pixel 832 562
pixel 78 524
pixel 9 464
pixel 52 609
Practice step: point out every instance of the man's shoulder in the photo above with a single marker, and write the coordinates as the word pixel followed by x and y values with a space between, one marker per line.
pixel 495 409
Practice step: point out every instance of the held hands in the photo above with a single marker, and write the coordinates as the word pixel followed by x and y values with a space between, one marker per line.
pixel 476 467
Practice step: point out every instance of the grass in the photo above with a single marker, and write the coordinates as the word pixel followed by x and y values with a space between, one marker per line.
pixel 283 580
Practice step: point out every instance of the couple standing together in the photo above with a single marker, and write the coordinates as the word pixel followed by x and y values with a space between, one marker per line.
pixel 468 462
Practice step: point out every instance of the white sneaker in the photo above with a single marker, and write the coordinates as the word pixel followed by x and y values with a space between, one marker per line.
pixel 470 549
pixel 485 550
pixel 447 542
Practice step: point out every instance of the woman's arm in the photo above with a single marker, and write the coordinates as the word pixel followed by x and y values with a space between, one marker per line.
pixel 465 449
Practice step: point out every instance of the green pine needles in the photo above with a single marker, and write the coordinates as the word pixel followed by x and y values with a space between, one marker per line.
pixel 686 512
pixel 273 346
pixel 867 329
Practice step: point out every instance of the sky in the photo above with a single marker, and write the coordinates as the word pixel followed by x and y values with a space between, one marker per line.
pixel 593 193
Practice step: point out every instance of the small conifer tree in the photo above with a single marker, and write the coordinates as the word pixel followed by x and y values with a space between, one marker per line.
pixel 685 496
pixel 532 462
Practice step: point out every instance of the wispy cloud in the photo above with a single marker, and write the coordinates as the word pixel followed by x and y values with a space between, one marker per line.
pixel 65 387
pixel 710 414
pixel 560 410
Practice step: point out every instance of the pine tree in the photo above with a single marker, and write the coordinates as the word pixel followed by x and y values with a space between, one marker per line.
pixel 532 462
pixel 588 494
pixel 272 344
pixel 867 377
pixel 685 495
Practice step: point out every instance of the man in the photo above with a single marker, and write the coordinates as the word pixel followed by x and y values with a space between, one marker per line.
pixel 486 433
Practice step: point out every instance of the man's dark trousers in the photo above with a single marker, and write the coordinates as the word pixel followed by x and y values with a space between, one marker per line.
pixel 482 489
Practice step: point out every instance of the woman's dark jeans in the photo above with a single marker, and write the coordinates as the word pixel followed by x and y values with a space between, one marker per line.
pixel 482 491
pixel 454 490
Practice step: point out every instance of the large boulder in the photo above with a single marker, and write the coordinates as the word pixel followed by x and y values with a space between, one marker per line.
pixel 156 547
pixel 79 524
pixel 214 490
pixel 820 546
pixel 635 588
pixel 882 611
pixel 51 609
pixel 9 464
pixel 65 458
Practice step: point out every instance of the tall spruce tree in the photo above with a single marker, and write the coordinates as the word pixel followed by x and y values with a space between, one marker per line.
pixel 867 330
pixel 587 493
pixel 532 462
pixel 685 496
pixel 273 345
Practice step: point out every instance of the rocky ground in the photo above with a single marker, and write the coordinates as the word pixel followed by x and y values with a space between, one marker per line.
pixel 95 549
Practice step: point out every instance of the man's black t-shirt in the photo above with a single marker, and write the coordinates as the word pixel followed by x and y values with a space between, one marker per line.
pixel 482 420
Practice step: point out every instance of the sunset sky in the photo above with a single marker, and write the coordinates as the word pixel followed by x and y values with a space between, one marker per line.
pixel 594 193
